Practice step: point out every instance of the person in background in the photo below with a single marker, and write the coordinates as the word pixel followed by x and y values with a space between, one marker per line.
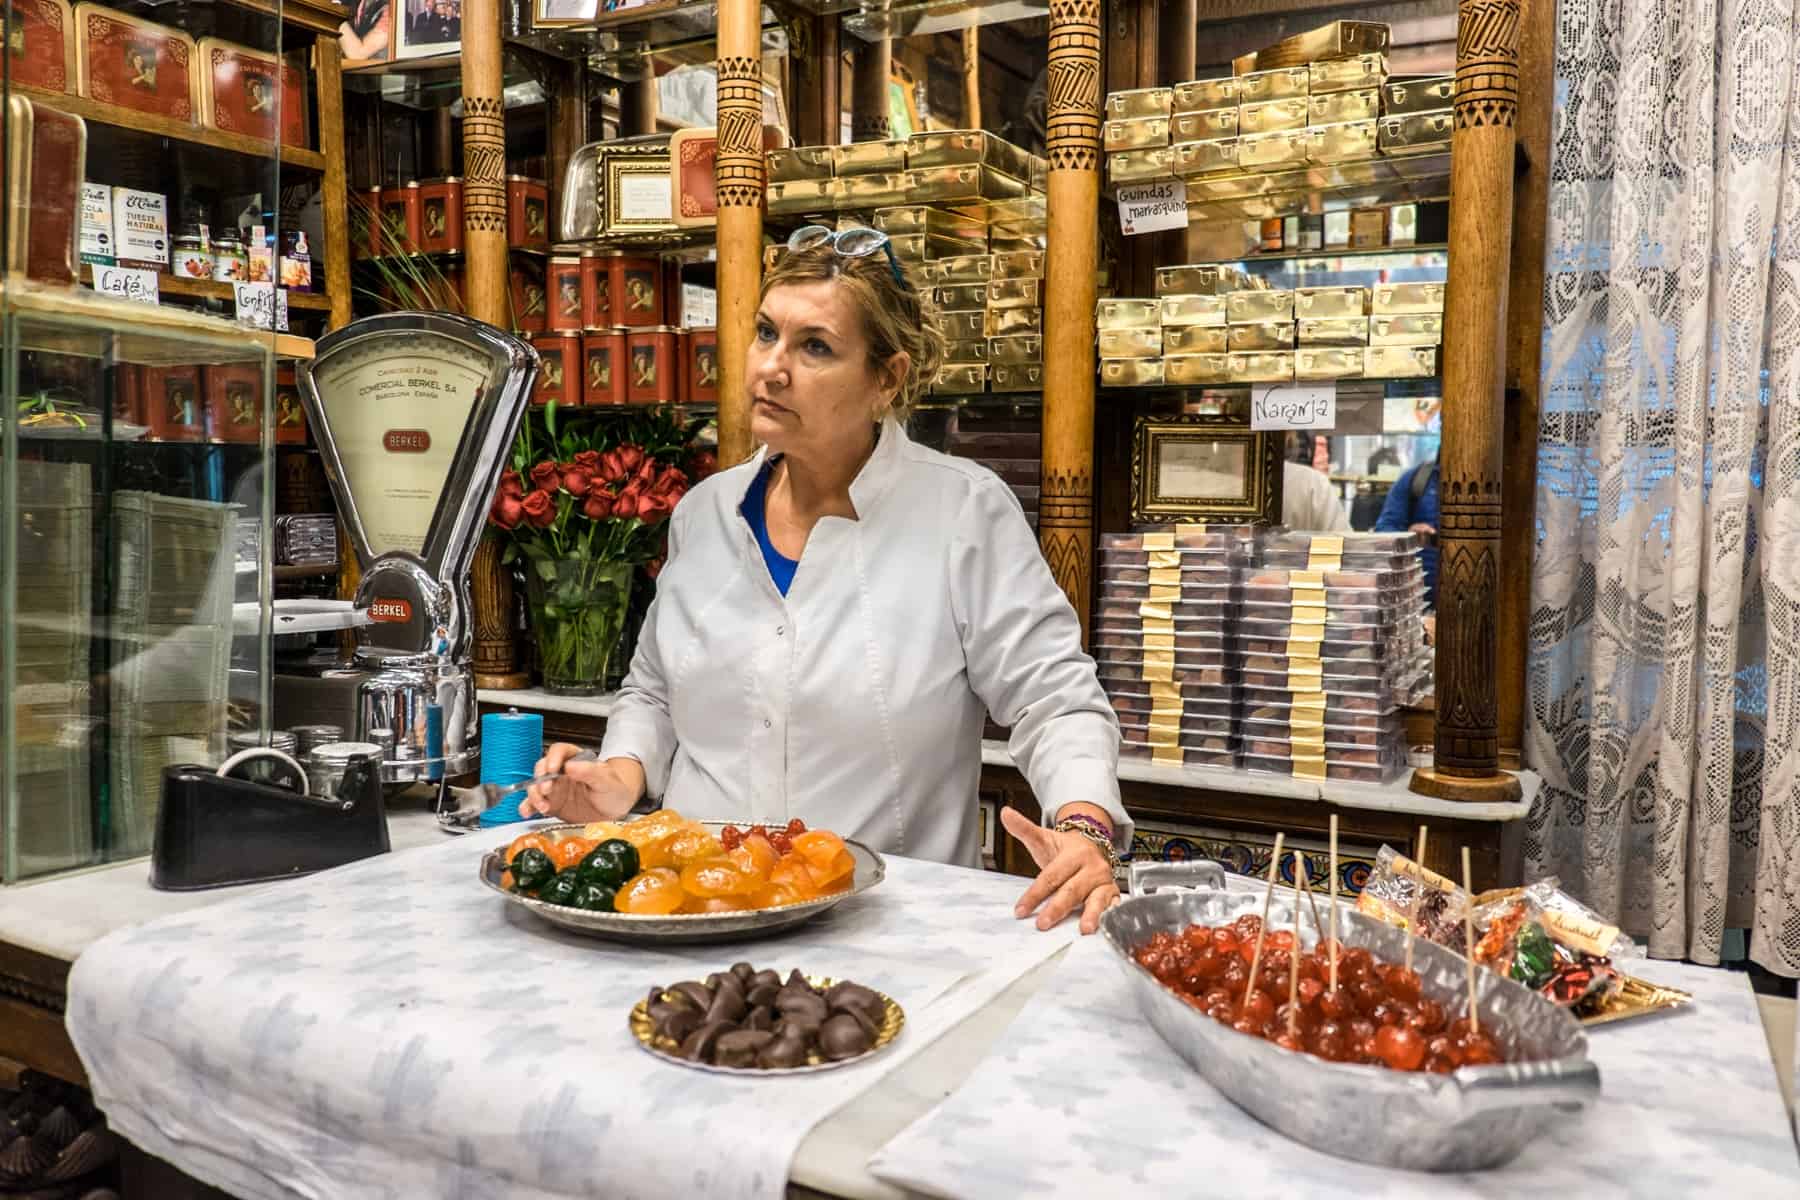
pixel 1412 504
pixel 1309 502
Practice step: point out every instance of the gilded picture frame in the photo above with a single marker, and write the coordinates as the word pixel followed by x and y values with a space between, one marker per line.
pixel 639 197
pixel 563 14
pixel 1203 467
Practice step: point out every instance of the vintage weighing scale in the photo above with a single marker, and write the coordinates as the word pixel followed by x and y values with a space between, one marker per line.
pixel 414 414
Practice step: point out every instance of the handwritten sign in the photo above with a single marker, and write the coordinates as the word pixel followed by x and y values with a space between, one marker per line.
pixel 127 283
pixel 1149 207
pixel 261 305
pixel 1293 406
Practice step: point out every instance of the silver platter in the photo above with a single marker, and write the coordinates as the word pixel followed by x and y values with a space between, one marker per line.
pixel 684 927
pixel 1471 1119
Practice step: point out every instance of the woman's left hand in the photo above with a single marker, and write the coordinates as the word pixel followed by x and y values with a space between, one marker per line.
pixel 1072 873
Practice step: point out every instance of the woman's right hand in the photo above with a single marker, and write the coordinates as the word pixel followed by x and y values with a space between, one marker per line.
pixel 587 791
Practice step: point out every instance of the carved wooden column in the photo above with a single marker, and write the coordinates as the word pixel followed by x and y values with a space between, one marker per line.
pixel 869 120
pixel 485 297
pixel 1179 28
pixel 1066 514
pixel 971 77
pixel 1468 591
pixel 813 58
pixel 334 195
pixel 738 178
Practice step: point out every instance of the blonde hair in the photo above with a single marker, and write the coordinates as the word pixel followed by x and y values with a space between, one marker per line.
pixel 896 319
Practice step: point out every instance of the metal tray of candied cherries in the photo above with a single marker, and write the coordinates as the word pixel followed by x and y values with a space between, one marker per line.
pixel 1471 1119
pixel 679 928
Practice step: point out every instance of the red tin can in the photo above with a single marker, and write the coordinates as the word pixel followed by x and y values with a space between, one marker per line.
pixel 562 286
pixel 700 365
pixel 400 219
pixel 603 373
pixel 441 215
pixel 172 405
pixel 596 294
pixel 653 365
pixel 128 394
pixel 559 374
pixel 529 303
pixel 636 291
pixel 233 402
pixel 365 226
pixel 527 211
pixel 290 414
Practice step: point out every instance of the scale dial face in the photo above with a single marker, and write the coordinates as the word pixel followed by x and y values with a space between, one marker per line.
pixel 398 406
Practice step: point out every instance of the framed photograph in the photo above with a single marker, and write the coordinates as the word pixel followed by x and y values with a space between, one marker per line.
pixel 639 198
pixel 427 28
pixel 368 35
pixel 560 14
pixel 1204 468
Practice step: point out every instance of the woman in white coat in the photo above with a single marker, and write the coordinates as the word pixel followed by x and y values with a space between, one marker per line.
pixel 837 614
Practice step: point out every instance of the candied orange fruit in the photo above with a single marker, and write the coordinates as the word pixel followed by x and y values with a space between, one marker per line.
pixel 716 877
pixel 569 851
pixel 653 893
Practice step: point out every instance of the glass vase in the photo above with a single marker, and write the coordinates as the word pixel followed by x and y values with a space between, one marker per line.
pixel 578 609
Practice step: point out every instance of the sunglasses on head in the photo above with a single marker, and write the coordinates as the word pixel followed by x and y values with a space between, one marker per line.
pixel 858 241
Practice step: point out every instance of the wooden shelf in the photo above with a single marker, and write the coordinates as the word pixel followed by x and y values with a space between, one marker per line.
pixel 181 131
pixel 181 285
pixel 1344 252
pixel 320 16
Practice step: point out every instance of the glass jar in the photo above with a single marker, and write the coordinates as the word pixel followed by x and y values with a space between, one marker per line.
pixel 230 264
pixel 192 259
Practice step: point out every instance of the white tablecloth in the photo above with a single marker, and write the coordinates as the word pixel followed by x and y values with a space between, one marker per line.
pixel 1082 1098
pixel 394 1029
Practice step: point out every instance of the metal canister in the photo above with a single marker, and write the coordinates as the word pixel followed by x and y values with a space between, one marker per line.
pixel 326 765
pixel 562 283
pixel 700 362
pixel 596 291
pixel 441 215
pixel 230 262
pixel 602 361
pixel 559 375
pixel 308 738
pixel 636 284
pixel 400 219
pixel 652 365
pixel 525 280
pixel 527 211
pixel 233 401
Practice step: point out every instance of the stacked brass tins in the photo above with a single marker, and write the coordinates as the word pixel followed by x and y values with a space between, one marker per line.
pixel 1406 326
pixel 1416 115
pixel 1329 644
pixel 1163 639
pixel 1180 337
pixel 962 169
pixel 1260 335
pixel 990 304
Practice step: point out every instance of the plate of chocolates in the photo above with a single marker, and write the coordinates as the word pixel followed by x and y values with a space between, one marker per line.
pixel 746 1021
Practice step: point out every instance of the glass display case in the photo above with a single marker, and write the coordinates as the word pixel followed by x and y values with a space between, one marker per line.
pixel 145 167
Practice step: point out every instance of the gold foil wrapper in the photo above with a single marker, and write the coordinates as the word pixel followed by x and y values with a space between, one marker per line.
pixel 1325 553
pixel 1158 640
pixel 1304 614
pixel 1162 557
pixel 1156 616
pixel 1636 998
pixel 1309 768
pixel 1160 540
pixel 1164 735
pixel 1302 650
pixel 1167 756
pixel 1163 695
pixel 1166 577
pixel 1305 677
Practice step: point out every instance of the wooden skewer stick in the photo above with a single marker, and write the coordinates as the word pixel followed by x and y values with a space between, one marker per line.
pixel 1469 942
pixel 1412 919
pixel 1263 928
pixel 1312 901
pixel 1294 955
pixel 1334 871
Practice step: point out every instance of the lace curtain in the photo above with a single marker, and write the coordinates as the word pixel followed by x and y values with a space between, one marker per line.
pixel 1665 644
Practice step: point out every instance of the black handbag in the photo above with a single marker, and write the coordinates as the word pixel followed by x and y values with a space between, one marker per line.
pixel 215 831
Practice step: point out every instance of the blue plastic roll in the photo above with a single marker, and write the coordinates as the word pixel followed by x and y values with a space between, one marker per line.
pixel 511 744
pixel 434 742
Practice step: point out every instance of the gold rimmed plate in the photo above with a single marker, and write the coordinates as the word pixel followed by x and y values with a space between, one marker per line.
pixel 893 1019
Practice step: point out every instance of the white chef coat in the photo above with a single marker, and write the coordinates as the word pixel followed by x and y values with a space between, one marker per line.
pixel 856 702
pixel 1309 502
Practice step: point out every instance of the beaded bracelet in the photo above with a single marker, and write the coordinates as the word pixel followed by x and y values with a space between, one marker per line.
pixel 1095 831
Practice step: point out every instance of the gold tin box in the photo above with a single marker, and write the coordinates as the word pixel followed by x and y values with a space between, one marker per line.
pixel 1026 265
pixel 1347 74
pixel 1196 370
pixel 1021 348
pixel 1363 104
pixel 1201 279
pixel 1137 166
pixel 1316 302
pixel 1018 243
pixel 1131 372
pixel 1334 331
pixel 1016 377
pixel 1399 362
pixel 1266 151
pixel 920 219
pixel 1273 116
pixel 969 268
pixel 791 164
pixel 1139 102
pixel 1194 339
pixel 956 379
pixel 964 326
pixel 934 245
pixel 877 190
pixel 1352 141
pixel 1205 158
pixel 1131 343
pixel 869 158
pixel 1026 214
pixel 1407 329
pixel 1198 95
pixel 1251 307
pixel 961 184
pixel 1417 133
pixel 1193 310
pixel 961 297
pixel 798 196
pixel 1263 335
pixel 966 147
pixel 1127 313
pixel 1386 299
pixel 1319 362
pixel 1206 126
pixel 1139 133
pixel 1015 293
pixel 1262 366
pixel 966 351
pixel 1338 39
pixel 1426 93
pixel 1004 322
pixel 1280 84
